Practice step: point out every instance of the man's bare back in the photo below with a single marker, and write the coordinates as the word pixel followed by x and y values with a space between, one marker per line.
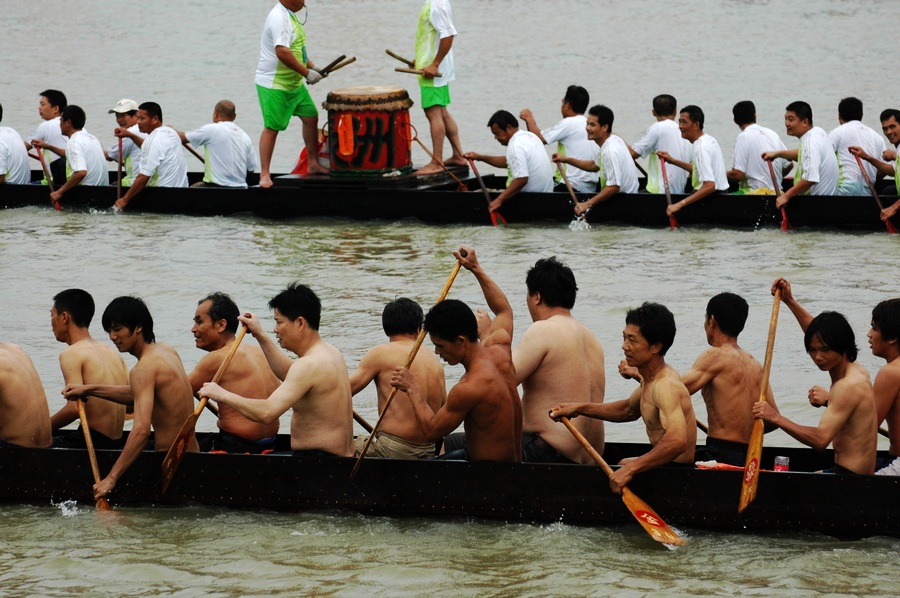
pixel 89 361
pixel 559 359
pixel 492 429
pixel 856 442
pixel 159 379
pixel 887 397
pixel 25 419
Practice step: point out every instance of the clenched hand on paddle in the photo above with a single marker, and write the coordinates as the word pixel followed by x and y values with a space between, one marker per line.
pixel 885 168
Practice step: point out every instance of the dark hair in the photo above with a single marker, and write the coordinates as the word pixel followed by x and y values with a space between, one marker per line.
pixel 578 98
pixel 152 109
pixel 78 303
pixel 834 331
pixel 744 113
pixel 656 322
pixel 451 319
pixel 401 316
pixel 296 301
pixel 730 312
pixel 802 110
pixel 55 98
pixel 889 114
pixel 129 312
pixel 1 112
pixel 665 105
pixel 503 119
pixel 222 307
pixel 603 115
pixel 554 281
pixel 695 114
pixel 886 319
pixel 75 115
pixel 850 109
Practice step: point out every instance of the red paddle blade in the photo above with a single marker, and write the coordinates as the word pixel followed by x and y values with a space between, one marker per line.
pixel 498 219
pixel 785 223
pixel 57 206
pixel 673 223
pixel 890 226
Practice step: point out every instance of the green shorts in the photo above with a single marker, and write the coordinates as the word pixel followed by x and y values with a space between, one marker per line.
pixel 278 106
pixel 435 96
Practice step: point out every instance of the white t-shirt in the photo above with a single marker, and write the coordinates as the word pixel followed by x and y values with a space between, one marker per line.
pixel 84 152
pixel 162 159
pixel 818 163
pixel 664 135
pixel 229 153
pixel 435 23
pixel 617 166
pixel 855 133
pixel 570 135
pixel 749 147
pixel 50 133
pixel 526 157
pixel 13 157
pixel 131 153
pixel 709 164
pixel 281 29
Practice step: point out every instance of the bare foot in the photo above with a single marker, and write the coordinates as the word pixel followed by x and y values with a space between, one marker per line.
pixel 456 161
pixel 430 168
pixel 316 168
pixel 265 181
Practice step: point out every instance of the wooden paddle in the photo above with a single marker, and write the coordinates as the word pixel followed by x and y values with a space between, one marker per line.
pixel 119 177
pixel 565 178
pixel 359 419
pixel 196 154
pixel 890 225
pixel 176 451
pixel 102 503
pixel 40 155
pixel 409 360
pixel 461 186
pixel 884 432
pixel 785 224
pixel 754 450
pixel 662 168
pixel 411 63
pixel 647 517
pixel 702 427
pixel 496 216
pixel 419 72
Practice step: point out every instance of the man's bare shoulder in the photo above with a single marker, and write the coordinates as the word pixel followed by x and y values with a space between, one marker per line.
pixel 853 387
pixel 890 373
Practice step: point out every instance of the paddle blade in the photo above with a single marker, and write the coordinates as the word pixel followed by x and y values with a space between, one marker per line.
pixel 751 466
pixel 673 223
pixel 650 521
pixel 178 448
pixel 785 223
pixel 497 219
pixel 103 505
pixel 890 226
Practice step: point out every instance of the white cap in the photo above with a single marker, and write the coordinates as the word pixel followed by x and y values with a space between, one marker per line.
pixel 124 106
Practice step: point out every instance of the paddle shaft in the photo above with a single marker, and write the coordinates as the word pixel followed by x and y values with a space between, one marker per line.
pixel 101 502
pixel 40 155
pixel 419 72
pixel 359 419
pixel 784 219
pixel 665 175
pixel 412 355
pixel 462 186
pixel 702 427
pixel 587 446
pixel 196 154
pixel 496 217
pixel 890 226
pixel 411 63
pixel 119 174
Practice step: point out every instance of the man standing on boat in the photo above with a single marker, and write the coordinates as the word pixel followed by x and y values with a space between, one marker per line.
pixel 850 415
pixel 399 436
pixel 526 160
pixel 818 169
pixel 663 135
pixel 434 53
pixel 248 374
pixel 13 157
pixel 662 399
pixel 748 169
pixel 283 67
pixel 162 157
pixel 558 356
pixel 618 174
pixel 484 400
pixel 890 126
pixel 24 414
pixel 852 132
pixel 229 151
pixel 51 105
pixel 316 386
pixel 158 386
pixel 86 361
pixel 85 162
pixel 707 166
pixel 126 117
pixel 570 135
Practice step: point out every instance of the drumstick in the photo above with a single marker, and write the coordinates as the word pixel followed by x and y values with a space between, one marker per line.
pixel 331 64
pixel 419 72
pixel 343 64
pixel 411 63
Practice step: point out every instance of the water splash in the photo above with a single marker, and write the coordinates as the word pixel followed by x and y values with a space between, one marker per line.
pixel 67 508
pixel 579 224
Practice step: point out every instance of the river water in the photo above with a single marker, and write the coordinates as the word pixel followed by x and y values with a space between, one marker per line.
pixel 187 56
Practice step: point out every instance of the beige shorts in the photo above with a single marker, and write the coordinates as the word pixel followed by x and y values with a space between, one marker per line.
pixel 388 446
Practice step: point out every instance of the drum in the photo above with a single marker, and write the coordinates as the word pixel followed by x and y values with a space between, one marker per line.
pixel 368 130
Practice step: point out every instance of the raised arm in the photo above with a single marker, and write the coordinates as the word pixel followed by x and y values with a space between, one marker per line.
pixel 278 360
pixel 502 324
pixel 787 297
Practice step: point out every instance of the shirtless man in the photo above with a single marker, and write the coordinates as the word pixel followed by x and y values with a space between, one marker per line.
pixel 86 361
pixel 248 374
pixel 399 436
pixel 850 415
pixel 159 386
pixel 24 414
pixel 316 386
pixel 482 400
pixel 662 399
pixel 557 357
pixel 884 338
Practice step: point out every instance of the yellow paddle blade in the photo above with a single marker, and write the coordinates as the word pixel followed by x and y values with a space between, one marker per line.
pixel 654 525
pixel 751 467
pixel 176 451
